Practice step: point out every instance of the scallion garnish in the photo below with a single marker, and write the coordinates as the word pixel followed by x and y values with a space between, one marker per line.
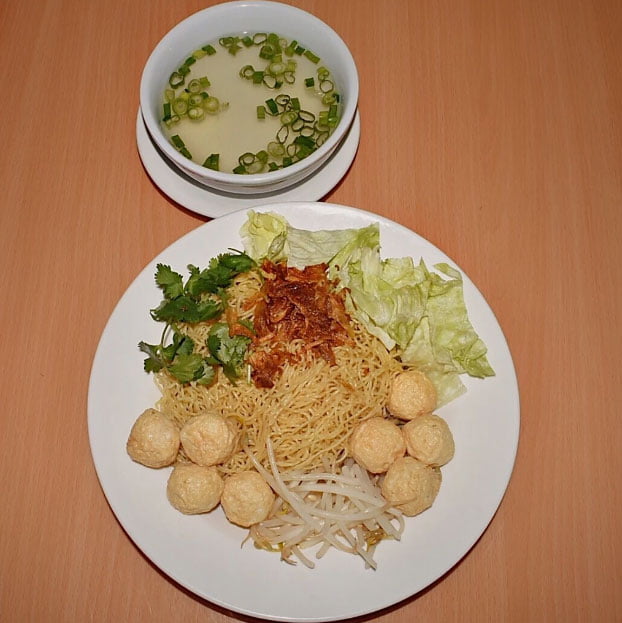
pixel 299 131
pixel 211 162
pixel 272 107
pixel 176 80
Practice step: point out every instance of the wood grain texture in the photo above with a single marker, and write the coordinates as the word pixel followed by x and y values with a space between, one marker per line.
pixel 492 128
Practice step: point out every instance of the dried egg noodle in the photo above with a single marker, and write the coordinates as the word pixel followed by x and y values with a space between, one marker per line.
pixel 310 411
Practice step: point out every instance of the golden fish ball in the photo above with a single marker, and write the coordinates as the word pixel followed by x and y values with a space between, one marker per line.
pixel 411 486
pixel 208 439
pixel 246 498
pixel 193 489
pixel 411 394
pixel 429 439
pixel 376 443
pixel 153 440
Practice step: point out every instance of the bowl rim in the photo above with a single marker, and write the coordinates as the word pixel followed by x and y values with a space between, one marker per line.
pixel 266 178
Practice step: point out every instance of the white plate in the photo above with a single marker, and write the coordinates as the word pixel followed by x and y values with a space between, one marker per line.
pixel 203 553
pixel 198 198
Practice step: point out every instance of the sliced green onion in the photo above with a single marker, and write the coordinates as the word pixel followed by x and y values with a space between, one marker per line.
pixel 194 86
pixel 255 167
pixel 176 80
pixel 211 105
pixel 295 103
pixel 267 52
pixel 259 38
pixel 306 116
pixel 209 49
pixel 196 114
pixel 309 82
pixel 322 73
pixel 176 140
pixel 272 107
pixel 282 99
pixel 276 67
pixel 282 134
pixel 180 106
pixel 274 40
pixel 307 130
pixel 184 152
pixel 273 166
pixel 247 158
pixel 321 139
pixel 247 41
pixel 297 124
pixel 212 162
pixel 247 72
pixel 276 150
pixel 190 61
pixel 312 57
pixel 196 99
pixel 287 161
pixel 305 140
pixel 204 82
pixel 289 77
pixel 239 169
pixel 270 81
pixel 288 117
pixel 184 70
pixel 326 86
pixel 289 50
pixel 261 112
pixel 299 50
pixel 167 111
pixel 330 98
pixel 199 54
pixel 169 94
pixel 262 156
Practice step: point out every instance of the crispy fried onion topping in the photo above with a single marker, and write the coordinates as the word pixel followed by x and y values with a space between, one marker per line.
pixel 296 304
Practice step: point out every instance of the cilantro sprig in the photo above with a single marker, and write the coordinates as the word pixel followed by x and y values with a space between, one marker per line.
pixel 201 298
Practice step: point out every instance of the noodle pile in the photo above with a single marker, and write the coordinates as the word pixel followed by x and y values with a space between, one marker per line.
pixel 310 411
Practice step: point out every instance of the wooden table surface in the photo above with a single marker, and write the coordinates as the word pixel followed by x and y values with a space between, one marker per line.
pixel 493 129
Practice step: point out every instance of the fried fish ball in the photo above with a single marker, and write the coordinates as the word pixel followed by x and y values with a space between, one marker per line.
pixel 429 439
pixel 411 394
pixel 376 443
pixel 410 485
pixel 208 439
pixel 194 489
pixel 153 440
pixel 246 498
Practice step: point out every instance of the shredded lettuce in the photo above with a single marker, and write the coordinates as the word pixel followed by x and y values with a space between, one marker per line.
pixel 419 313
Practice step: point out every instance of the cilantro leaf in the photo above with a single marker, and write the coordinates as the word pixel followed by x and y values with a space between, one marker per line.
pixel 202 298
pixel 186 309
pixel 229 351
pixel 209 376
pixel 169 281
pixel 153 363
pixel 237 262
pixel 186 368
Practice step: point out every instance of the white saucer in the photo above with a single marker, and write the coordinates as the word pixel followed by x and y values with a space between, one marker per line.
pixel 192 195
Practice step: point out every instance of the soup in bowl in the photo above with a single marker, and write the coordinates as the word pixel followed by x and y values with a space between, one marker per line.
pixel 249 97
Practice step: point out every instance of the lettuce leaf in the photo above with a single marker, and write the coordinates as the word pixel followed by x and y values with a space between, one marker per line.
pixel 269 235
pixel 418 313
